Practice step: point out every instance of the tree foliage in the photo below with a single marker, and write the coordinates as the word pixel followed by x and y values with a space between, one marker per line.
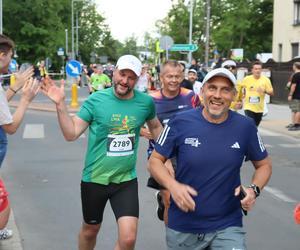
pixel 38 29
pixel 233 24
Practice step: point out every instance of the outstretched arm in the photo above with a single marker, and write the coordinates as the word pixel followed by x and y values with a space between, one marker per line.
pixel 72 127
pixel 29 91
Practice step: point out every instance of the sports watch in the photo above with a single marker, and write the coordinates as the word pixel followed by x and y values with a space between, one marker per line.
pixel 256 189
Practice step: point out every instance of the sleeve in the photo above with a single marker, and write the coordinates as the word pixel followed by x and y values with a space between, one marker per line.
pixel 256 150
pixel 86 110
pixel 195 100
pixel 166 142
pixel 295 79
pixel 152 111
pixel 268 85
pixel 5 115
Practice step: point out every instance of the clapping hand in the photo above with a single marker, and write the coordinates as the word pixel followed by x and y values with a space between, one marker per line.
pixel 22 77
pixel 55 93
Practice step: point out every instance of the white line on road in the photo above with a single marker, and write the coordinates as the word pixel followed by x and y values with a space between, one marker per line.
pixel 289 145
pixel 33 131
pixel 279 194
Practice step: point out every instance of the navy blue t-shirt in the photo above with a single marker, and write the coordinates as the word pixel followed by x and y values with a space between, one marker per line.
pixel 167 107
pixel 209 158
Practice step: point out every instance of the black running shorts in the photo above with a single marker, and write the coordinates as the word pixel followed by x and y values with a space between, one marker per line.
pixel 123 199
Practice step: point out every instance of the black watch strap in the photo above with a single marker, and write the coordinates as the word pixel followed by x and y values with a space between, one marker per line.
pixel 256 189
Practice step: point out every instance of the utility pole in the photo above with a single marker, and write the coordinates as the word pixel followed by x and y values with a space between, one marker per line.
pixel 77 34
pixel 72 29
pixel 1 17
pixel 67 52
pixel 207 32
pixel 190 30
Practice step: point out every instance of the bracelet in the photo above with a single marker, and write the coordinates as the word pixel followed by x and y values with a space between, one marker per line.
pixel 13 90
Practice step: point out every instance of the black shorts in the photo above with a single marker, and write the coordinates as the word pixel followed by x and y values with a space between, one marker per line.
pixel 255 116
pixel 123 198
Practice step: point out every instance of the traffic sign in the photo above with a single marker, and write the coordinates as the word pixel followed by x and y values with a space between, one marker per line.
pixel 60 52
pixel 184 47
pixel 13 65
pixel 166 42
pixel 73 68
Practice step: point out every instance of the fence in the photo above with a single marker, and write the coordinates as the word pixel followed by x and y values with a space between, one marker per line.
pixel 280 73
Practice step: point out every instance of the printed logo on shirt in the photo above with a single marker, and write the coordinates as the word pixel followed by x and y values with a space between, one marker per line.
pixel 182 106
pixel 236 145
pixel 194 142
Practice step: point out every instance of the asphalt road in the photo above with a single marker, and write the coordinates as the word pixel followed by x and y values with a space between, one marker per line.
pixel 42 173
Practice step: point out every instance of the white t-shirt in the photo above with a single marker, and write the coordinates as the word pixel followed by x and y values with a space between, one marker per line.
pixel 142 83
pixel 197 87
pixel 5 115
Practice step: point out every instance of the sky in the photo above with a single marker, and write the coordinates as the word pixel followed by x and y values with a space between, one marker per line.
pixel 132 17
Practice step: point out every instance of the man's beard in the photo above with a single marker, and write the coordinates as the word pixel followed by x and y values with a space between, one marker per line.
pixel 122 93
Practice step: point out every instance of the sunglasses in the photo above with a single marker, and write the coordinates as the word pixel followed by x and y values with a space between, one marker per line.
pixel 229 67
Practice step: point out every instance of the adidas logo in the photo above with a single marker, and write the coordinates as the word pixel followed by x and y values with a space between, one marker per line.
pixel 236 145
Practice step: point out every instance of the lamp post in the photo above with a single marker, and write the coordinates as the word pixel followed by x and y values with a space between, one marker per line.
pixel 190 30
pixel 67 52
pixel 1 17
pixel 207 31
pixel 72 26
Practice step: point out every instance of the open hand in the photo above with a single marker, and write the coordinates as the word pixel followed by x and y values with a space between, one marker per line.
pixel 55 93
pixel 22 77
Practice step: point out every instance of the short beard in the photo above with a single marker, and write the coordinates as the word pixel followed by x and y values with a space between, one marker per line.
pixel 122 94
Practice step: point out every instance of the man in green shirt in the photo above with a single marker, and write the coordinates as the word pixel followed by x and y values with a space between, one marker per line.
pixel 114 117
pixel 99 80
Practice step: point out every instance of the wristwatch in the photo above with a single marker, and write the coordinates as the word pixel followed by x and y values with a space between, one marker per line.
pixel 256 189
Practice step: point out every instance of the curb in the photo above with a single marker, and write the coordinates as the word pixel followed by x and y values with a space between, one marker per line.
pixel 13 243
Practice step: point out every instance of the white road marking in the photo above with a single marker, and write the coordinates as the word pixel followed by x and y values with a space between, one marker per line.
pixel 269 146
pixel 34 131
pixel 289 145
pixel 279 194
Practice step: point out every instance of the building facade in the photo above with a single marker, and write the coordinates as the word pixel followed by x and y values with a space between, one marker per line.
pixel 286 30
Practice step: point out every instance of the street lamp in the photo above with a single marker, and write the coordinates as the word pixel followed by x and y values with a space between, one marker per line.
pixel 67 52
pixel 207 31
pixel 72 25
pixel 1 17
pixel 190 30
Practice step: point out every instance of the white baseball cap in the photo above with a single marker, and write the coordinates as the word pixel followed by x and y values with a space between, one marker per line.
pixel 228 63
pixel 130 62
pixel 220 72
pixel 192 70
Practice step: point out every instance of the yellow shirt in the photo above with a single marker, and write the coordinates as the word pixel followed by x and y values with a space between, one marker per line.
pixel 254 101
pixel 238 97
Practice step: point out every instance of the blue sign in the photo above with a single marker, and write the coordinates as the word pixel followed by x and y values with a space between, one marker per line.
pixel 13 65
pixel 73 68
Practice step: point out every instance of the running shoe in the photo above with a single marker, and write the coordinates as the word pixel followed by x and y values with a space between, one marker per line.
pixel 160 206
pixel 5 234
pixel 290 125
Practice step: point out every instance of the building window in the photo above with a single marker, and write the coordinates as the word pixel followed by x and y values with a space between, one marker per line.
pixel 295 49
pixel 280 52
pixel 296 12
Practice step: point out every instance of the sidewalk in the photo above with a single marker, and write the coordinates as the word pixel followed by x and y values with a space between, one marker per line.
pixel 278 117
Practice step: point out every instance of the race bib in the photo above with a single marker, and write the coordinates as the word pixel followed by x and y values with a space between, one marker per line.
pixel 254 99
pixel 120 145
